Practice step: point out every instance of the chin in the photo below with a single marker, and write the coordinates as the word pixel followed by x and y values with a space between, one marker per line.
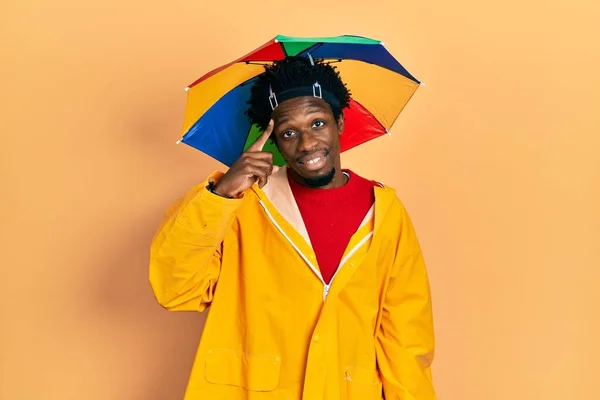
pixel 319 178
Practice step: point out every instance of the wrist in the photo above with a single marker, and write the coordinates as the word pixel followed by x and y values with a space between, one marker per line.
pixel 214 190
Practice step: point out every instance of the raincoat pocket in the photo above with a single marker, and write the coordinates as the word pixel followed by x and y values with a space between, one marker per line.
pixel 363 384
pixel 253 372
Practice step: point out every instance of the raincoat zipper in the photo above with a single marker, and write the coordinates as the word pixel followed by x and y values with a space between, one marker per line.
pixel 326 286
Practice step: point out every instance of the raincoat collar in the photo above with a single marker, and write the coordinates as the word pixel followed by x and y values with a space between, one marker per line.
pixel 277 197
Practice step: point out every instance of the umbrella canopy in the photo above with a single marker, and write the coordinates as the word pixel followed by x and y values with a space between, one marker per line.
pixel 215 121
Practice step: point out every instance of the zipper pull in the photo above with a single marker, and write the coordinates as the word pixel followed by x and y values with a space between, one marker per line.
pixel 325 291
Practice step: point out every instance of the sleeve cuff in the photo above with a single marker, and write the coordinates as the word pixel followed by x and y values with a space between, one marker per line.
pixel 209 212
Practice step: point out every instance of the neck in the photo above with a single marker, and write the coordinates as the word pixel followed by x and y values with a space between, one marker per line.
pixel 339 179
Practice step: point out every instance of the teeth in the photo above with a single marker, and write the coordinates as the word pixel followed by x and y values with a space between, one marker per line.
pixel 314 160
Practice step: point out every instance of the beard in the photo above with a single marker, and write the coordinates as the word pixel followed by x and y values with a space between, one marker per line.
pixel 320 181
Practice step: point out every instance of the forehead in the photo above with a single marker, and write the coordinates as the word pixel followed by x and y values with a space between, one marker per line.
pixel 300 107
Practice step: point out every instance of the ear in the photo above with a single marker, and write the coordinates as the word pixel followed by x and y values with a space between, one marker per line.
pixel 340 123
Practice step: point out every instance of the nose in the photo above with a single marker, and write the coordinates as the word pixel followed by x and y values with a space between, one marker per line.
pixel 307 142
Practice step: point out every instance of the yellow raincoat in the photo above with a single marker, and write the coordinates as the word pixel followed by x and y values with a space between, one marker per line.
pixel 275 330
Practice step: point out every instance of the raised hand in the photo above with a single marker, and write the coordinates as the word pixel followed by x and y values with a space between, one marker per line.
pixel 252 166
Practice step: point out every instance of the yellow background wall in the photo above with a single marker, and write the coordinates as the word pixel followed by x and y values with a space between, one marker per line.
pixel 497 159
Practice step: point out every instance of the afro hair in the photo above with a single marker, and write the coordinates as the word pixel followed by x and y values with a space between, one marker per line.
pixel 290 73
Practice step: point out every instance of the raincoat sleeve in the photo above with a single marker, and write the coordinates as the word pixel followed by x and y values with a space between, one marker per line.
pixel 405 340
pixel 185 254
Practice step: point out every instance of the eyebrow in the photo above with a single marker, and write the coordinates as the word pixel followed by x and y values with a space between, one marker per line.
pixel 311 110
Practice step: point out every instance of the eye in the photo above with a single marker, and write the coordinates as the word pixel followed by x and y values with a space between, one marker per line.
pixel 288 134
pixel 318 123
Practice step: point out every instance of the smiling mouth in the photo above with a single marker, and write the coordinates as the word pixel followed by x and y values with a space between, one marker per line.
pixel 313 161
pixel 313 158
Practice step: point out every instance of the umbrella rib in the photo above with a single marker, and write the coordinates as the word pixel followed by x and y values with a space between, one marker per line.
pixel 248 81
pixel 317 45
pixel 311 48
pixel 371 114
pixel 282 47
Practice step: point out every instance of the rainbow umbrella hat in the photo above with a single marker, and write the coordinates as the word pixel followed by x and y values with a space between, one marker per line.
pixel 215 121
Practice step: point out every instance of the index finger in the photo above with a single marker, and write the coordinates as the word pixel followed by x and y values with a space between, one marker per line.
pixel 262 139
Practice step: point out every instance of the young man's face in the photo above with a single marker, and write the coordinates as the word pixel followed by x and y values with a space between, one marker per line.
pixel 308 137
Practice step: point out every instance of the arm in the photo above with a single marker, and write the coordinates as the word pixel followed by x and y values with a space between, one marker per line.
pixel 405 340
pixel 185 255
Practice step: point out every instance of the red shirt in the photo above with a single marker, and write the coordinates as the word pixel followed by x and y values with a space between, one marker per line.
pixel 332 216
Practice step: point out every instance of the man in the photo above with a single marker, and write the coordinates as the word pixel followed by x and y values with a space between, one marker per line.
pixel 316 282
